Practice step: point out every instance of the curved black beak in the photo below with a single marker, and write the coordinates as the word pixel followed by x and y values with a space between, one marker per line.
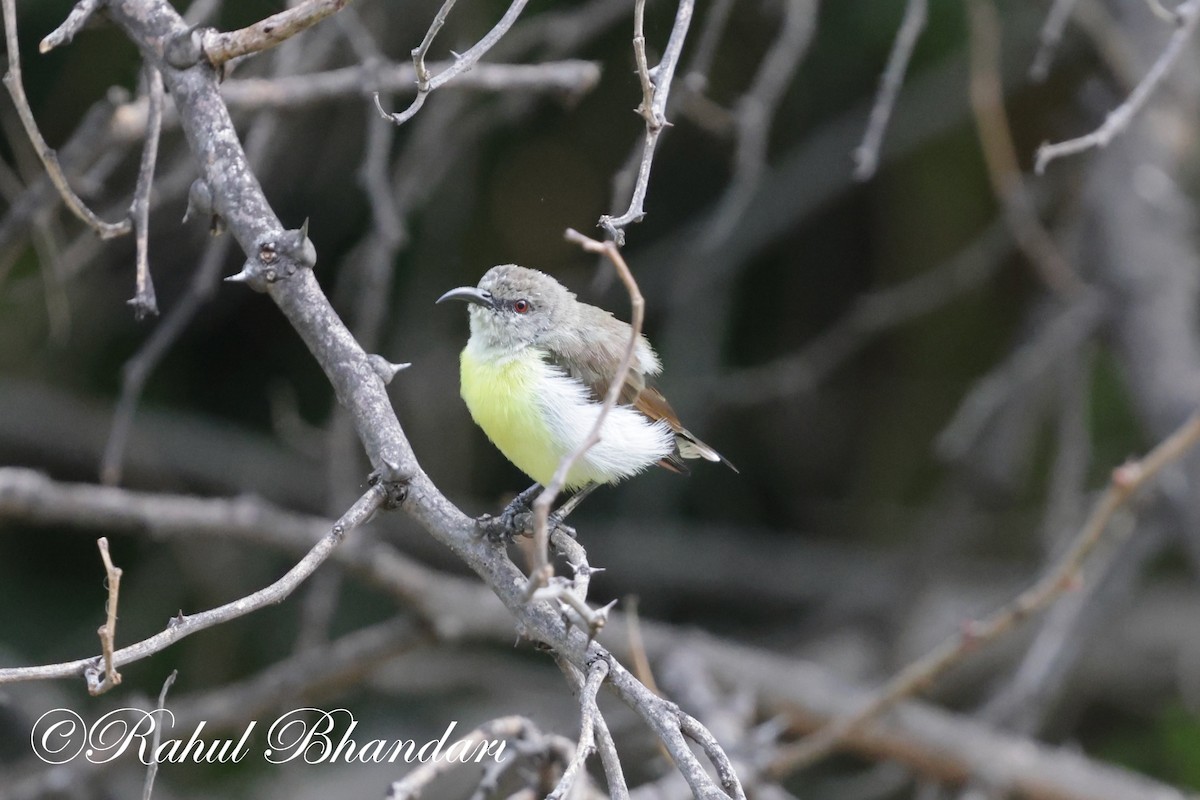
pixel 469 294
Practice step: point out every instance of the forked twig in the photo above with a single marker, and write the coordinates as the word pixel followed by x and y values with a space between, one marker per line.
pixel 462 63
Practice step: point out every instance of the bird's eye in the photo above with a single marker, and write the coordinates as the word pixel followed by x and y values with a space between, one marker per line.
pixel 521 306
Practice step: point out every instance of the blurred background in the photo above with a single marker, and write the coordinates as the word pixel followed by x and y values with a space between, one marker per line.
pixel 925 376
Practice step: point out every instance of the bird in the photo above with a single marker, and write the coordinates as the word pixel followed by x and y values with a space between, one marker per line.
pixel 534 374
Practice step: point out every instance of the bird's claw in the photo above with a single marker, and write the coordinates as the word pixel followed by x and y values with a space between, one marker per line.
pixel 510 524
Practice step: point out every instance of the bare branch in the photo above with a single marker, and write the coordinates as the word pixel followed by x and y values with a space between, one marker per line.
pixel 754 113
pixel 279 263
pixel 589 715
pixel 869 316
pixel 613 774
pixel 138 369
pixel 462 63
pixel 108 631
pixel 1126 481
pixel 1049 37
pixel 1000 155
pixel 152 770
pixel 1059 336
pixel 144 301
pixel 182 626
pixel 695 78
pixel 12 80
pixel 72 25
pixel 646 108
pixel 221 47
pixel 1119 118
pixel 542 569
pixel 866 155
pixel 514 728
pixel 337 663
pixel 654 111
pixel 422 50
pixel 945 746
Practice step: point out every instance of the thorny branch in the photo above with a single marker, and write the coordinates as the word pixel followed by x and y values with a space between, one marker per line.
pixel 654 111
pixel 462 62
pixel 279 263
pixel 1127 480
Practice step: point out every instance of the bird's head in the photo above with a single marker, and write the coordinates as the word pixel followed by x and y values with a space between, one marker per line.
pixel 514 307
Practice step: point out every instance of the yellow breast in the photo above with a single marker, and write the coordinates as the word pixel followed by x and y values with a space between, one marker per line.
pixel 502 396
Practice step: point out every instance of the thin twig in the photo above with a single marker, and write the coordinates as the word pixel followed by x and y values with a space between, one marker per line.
pixel 646 107
pixel 1057 337
pixel 144 302
pixel 754 113
pixel 589 713
pixel 637 646
pixel 137 370
pixel 181 626
pixel 203 285
pixel 509 728
pixel 695 78
pixel 946 745
pixel 870 315
pixel 1126 481
pixel 462 63
pixel 220 47
pixel 866 155
pixel 1049 37
pixel 108 631
pixel 152 770
pixel 422 50
pixel 1000 154
pixel 1119 118
pixel 618 789
pixel 72 25
pixel 654 112
pixel 12 80
pixel 1170 15
pixel 542 569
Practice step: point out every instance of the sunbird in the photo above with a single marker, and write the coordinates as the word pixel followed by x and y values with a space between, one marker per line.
pixel 534 375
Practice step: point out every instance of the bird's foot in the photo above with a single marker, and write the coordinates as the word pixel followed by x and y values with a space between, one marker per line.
pixel 508 526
